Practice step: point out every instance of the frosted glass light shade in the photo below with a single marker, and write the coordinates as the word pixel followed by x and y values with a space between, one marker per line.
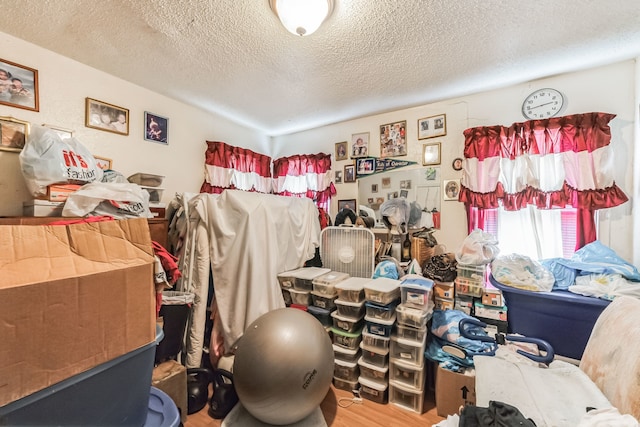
pixel 302 17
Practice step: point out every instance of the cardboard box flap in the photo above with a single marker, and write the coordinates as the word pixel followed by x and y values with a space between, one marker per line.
pixel 33 254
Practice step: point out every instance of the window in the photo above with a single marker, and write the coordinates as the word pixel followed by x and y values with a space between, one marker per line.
pixel 536 233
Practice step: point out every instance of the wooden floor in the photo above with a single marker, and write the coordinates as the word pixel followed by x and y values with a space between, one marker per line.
pixel 367 414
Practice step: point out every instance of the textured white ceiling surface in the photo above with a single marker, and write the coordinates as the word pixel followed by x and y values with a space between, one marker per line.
pixel 233 57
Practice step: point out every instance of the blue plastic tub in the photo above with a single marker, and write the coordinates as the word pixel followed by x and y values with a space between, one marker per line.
pixel 162 411
pixel 561 318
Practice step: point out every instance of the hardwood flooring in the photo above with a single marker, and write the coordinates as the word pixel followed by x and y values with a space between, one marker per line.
pixel 366 414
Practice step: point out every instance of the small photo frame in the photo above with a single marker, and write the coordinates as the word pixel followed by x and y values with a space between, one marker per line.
pixel 379 200
pixel 359 145
pixel 431 154
pixel 341 151
pixel 457 164
pixel 18 86
pixel 393 139
pixel 431 127
pixel 386 182
pixel 405 183
pixel 404 193
pixel 365 166
pixel 13 134
pixel 338 177
pixel 374 188
pixel 350 173
pixel 370 200
pixel 156 128
pixel 347 203
pixel 108 117
pixel 103 163
pixel 62 132
pixel 450 189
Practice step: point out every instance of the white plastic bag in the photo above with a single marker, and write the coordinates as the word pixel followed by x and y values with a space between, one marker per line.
pixel 478 248
pixel 520 271
pixel 108 198
pixel 47 159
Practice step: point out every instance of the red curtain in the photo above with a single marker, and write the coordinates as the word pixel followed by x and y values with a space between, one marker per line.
pixel 551 163
pixel 305 175
pixel 232 167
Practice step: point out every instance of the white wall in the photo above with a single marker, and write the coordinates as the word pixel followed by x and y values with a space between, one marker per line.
pixel 64 84
pixel 607 89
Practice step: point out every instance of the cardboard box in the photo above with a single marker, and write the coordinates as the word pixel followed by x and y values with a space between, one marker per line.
pixel 492 296
pixel 490 311
pixel 71 297
pixel 454 390
pixel 37 207
pixel 171 377
pixel 60 192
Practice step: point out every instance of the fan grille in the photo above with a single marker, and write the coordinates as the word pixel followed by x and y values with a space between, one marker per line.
pixel 348 250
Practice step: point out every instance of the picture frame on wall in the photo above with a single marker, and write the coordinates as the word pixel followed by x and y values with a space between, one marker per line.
pixel 13 134
pixel 450 189
pixel 63 133
pixel 107 117
pixel 393 139
pixel 19 86
pixel 431 154
pixel 365 166
pixel 103 163
pixel 338 177
pixel 350 173
pixel 341 151
pixel 347 203
pixel 156 128
pixel 359 145
pixel 432 127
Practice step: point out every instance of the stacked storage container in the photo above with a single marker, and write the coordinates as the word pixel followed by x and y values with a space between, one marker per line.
pixel 346 331
pixel 408 343
pixel 296 285
pixel 323 296
pixel 381 299
pixel 478 298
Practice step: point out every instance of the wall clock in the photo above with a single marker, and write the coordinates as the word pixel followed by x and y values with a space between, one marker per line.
pixel 542 104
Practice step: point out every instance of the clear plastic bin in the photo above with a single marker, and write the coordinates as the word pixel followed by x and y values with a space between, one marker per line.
pixel 406 373
pixel 300 297
pixel 326 284
pixel 322 314
pixel 382 290
pixel 286 295
pixel 411 333
pixel 304 277
pixel 406 397
pixel 373 390
pixel 373 372
pixel 375 341
pixel 469 287
pixel 350 309
pixel 346 354
pixel 352 289
pixel 347 324
pixel 287 278
pixel 410 316
pixel 341 384
pixel 407 350
pixel 417 292
pixel 375 356
pixel 323 301
pixel 146 179
pixel 348 371
pixel 346 339
pixel 380 327
pixel 382 312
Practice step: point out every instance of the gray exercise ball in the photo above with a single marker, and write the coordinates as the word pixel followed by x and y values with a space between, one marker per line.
pixel 283 366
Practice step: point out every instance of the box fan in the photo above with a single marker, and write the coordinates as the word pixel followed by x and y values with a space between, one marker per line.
pixel 348 250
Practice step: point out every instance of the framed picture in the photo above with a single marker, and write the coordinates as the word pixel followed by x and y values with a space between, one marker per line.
pixel 13 134
pixel 350 173
pixel 341 151
pixel 374 188
pixel 365 166
pixel 107 117
pixel 348 204
pixel 393 139
pixel 338 177
pixel 360 145
pixel 431 154
pixel 62 132
pixel 156 128
pixel 103 163
pixel 18 86
pixel 386 182
pixel 404 193
pixel 431 127
pixel 450 189
pixel 457 164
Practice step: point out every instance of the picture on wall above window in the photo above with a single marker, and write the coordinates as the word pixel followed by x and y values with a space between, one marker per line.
pixel 13 134
pixel 393 139
pixel 156 128
pixel 431 127
pixel 451 189
pixel 350 173
pixel 431 154
pixel 341 151
pixel 18 86
pixel 359 145
pixel 108 117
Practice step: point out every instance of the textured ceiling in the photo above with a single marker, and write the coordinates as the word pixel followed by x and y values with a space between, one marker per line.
pixel 233 57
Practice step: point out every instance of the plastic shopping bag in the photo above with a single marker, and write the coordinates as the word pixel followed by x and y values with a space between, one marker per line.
pixel 108 198
pixel 47 159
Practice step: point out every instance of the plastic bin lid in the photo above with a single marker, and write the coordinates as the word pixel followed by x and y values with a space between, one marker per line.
pixel 353 284
pixel 379 337
pixel 386 322
pixel 345 363
pixel 162 411
pixel 393 304
pixel 309 273
pixel 354 334
pixel 349 303
pixel 335 315
pixel 343 350
pixel 318 310
pixel 412 311
pixel 372 384
pixel 297 291
pixel 415 281
pixel 330 278
pixel 361 362
pixel 383 284
pixel 408 342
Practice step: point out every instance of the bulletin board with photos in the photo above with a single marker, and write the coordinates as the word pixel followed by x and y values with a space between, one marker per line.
pixel 422 185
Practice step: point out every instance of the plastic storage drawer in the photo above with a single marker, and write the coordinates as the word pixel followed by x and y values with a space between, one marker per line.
pixel 352 289
pixel 322 314
pixel 410 316
pixel 381 312
pixel 373 372
pixel 383 328
pixel 346 354
pixel 303 277
pixel 417 292
pixel 323 301
pixel 300 297
pixel 348 371
pixel 375 341
pixel 406 397
pixel 345 339
pixel 375 356
pixel 347 324
pixel 406 373
pixel 407 350
pixel 341 384
pixel 382 290
pixel 326 284
pixel 350 309
pixel 411 333
pixel 373 390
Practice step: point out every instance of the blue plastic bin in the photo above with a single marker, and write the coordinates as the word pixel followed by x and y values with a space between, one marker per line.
pixel 561 318
pixel 162 411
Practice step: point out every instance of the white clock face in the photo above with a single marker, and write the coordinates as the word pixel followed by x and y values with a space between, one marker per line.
pixel 542 104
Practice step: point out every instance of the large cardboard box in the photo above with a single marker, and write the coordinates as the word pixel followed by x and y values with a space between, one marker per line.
pixel 454 390
pixel 71 297
pixel 171 377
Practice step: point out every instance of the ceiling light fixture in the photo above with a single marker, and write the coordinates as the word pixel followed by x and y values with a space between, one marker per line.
pixel 302 17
